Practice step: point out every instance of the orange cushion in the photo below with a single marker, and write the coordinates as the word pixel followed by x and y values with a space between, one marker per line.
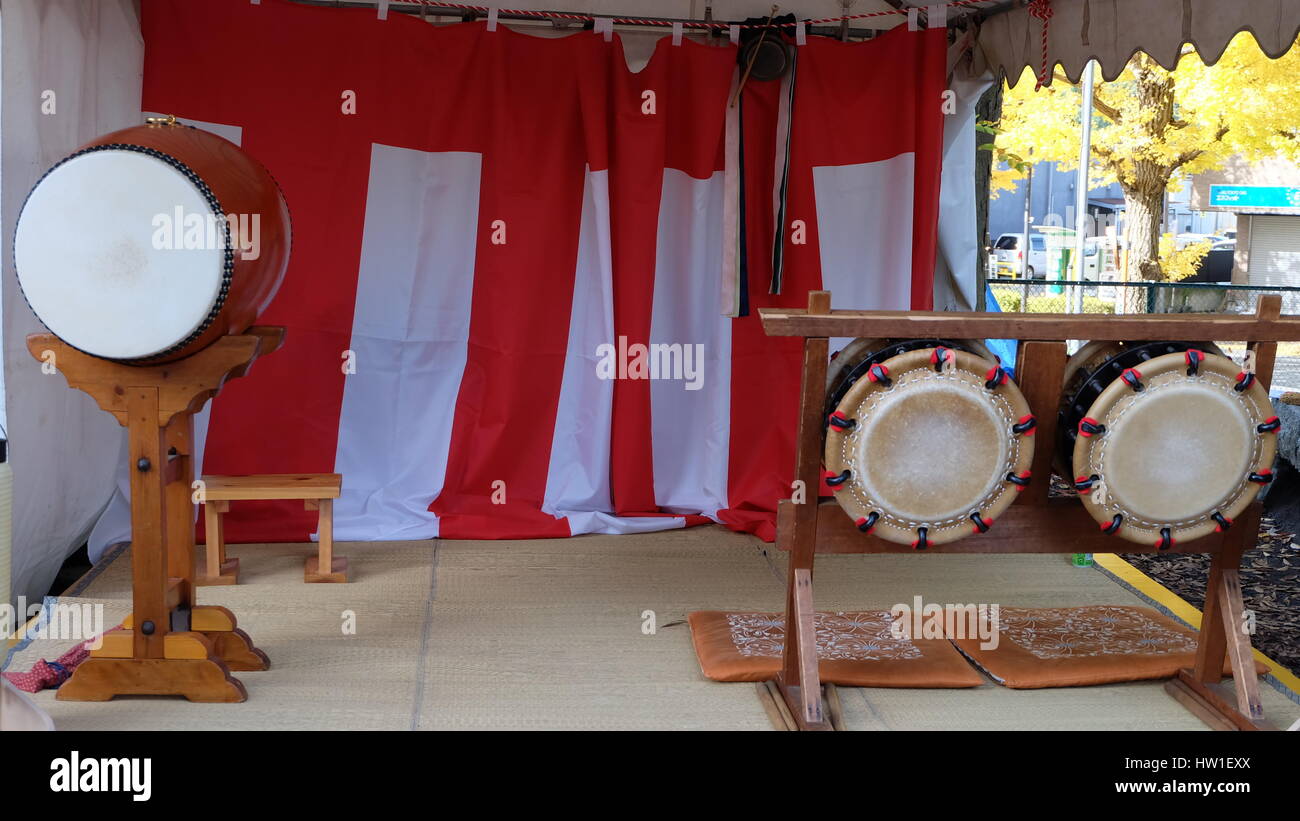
pixel 854 649
pixel 1077 646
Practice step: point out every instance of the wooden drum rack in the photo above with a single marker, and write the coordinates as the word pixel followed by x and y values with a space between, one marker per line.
pixel 1035 523
pixel 169 645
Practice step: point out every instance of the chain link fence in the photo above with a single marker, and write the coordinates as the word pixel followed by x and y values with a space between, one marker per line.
pixel 1039 296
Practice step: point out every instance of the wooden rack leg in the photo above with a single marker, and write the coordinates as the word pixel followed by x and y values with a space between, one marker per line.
pixel 150 669
pixel 799 682
pixel 1221 636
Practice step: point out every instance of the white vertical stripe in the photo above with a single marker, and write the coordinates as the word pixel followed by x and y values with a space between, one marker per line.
pixel 577 480
pixel 410 335
pixel 578 476
pixel 864 231
pixel 691 428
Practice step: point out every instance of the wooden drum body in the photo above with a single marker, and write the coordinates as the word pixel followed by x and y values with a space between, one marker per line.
pixel 149 243
pixel 927 441
pixel 1165 441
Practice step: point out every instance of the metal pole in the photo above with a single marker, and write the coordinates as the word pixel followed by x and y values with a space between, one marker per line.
pixel 1029 200
pixel 1081 191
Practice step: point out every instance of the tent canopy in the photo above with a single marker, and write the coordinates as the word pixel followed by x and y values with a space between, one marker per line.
pixel 1110 31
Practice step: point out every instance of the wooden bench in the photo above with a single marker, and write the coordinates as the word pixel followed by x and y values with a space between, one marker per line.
pixel 318 492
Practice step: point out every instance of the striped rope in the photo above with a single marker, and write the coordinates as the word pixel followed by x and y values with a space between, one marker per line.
pixel 695 24
pixel 1042 9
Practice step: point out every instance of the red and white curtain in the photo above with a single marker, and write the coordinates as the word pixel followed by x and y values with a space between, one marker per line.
pixel 501 220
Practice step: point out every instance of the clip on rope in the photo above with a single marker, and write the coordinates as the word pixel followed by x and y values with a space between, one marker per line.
pixel 996 378
pixel 835 480
pixel 1112 527
pixel 1269 425
pixel 1020 480
pixel 921 542
pixel 1244 380
pixel 1083 484
pixel 1026 425
pixel 880 374
pixel 868 523
pixel 939 356
pixel 1193 358
pixel 982 525
pixel 1090 427
pixel 1261 478
pixel 1133 378
pixel 1166 541
pixel 841 422
pixel 1222 522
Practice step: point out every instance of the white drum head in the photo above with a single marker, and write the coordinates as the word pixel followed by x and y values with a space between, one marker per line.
pixel 104 264
pixel 1177 452
pixel 925 455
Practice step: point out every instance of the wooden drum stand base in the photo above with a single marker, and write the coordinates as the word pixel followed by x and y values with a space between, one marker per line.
pixel 1035 523
pixel 168 645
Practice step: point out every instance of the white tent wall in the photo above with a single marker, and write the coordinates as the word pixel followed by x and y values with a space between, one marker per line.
pixel 63 449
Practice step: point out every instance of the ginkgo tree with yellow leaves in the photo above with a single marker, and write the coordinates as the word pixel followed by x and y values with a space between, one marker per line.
pixel 1151 125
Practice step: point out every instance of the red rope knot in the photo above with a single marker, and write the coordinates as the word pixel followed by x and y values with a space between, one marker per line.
pixel 1042 9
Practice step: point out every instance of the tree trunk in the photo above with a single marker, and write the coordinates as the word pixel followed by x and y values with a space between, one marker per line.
pixel 1144 190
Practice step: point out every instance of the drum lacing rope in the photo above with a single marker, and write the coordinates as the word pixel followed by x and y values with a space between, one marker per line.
pixel 1269 425
pixel 1244 381
pixel 1261 478
pixel 1223 522
pixel 1020 480
pixel 1112 527
pixel 1193 358
pixel 1026 425
pixel 880 374
pixel 982 525
pixel 1084 484
pixel 841 422
pixel 1166 541
pixel 921 542
pixel 837 479
pixel 868 523
pixel 940 356
pixel 1133 378
pixel 996 378
pixel 1090 427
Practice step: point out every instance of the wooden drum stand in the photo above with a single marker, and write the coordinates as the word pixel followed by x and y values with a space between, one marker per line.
pixel 1035 523
pixel 168 645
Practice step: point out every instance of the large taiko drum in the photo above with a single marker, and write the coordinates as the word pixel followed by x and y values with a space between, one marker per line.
pixel 149 243
pixel 927 441
pixel 1165 441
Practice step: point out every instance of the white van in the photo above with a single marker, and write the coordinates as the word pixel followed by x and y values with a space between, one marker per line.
pixel 1007 256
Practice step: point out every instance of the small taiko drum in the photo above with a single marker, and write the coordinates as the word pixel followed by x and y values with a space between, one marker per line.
pixel 927 441
pixel 147 244
pixel 1165 441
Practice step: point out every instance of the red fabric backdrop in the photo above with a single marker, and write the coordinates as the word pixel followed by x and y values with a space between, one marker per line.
pixel 593 190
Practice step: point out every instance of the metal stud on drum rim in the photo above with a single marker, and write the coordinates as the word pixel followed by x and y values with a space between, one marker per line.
pixel 922 454
pixel 1176 450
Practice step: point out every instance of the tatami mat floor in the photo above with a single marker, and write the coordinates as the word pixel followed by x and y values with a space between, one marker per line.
pixel 550 634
